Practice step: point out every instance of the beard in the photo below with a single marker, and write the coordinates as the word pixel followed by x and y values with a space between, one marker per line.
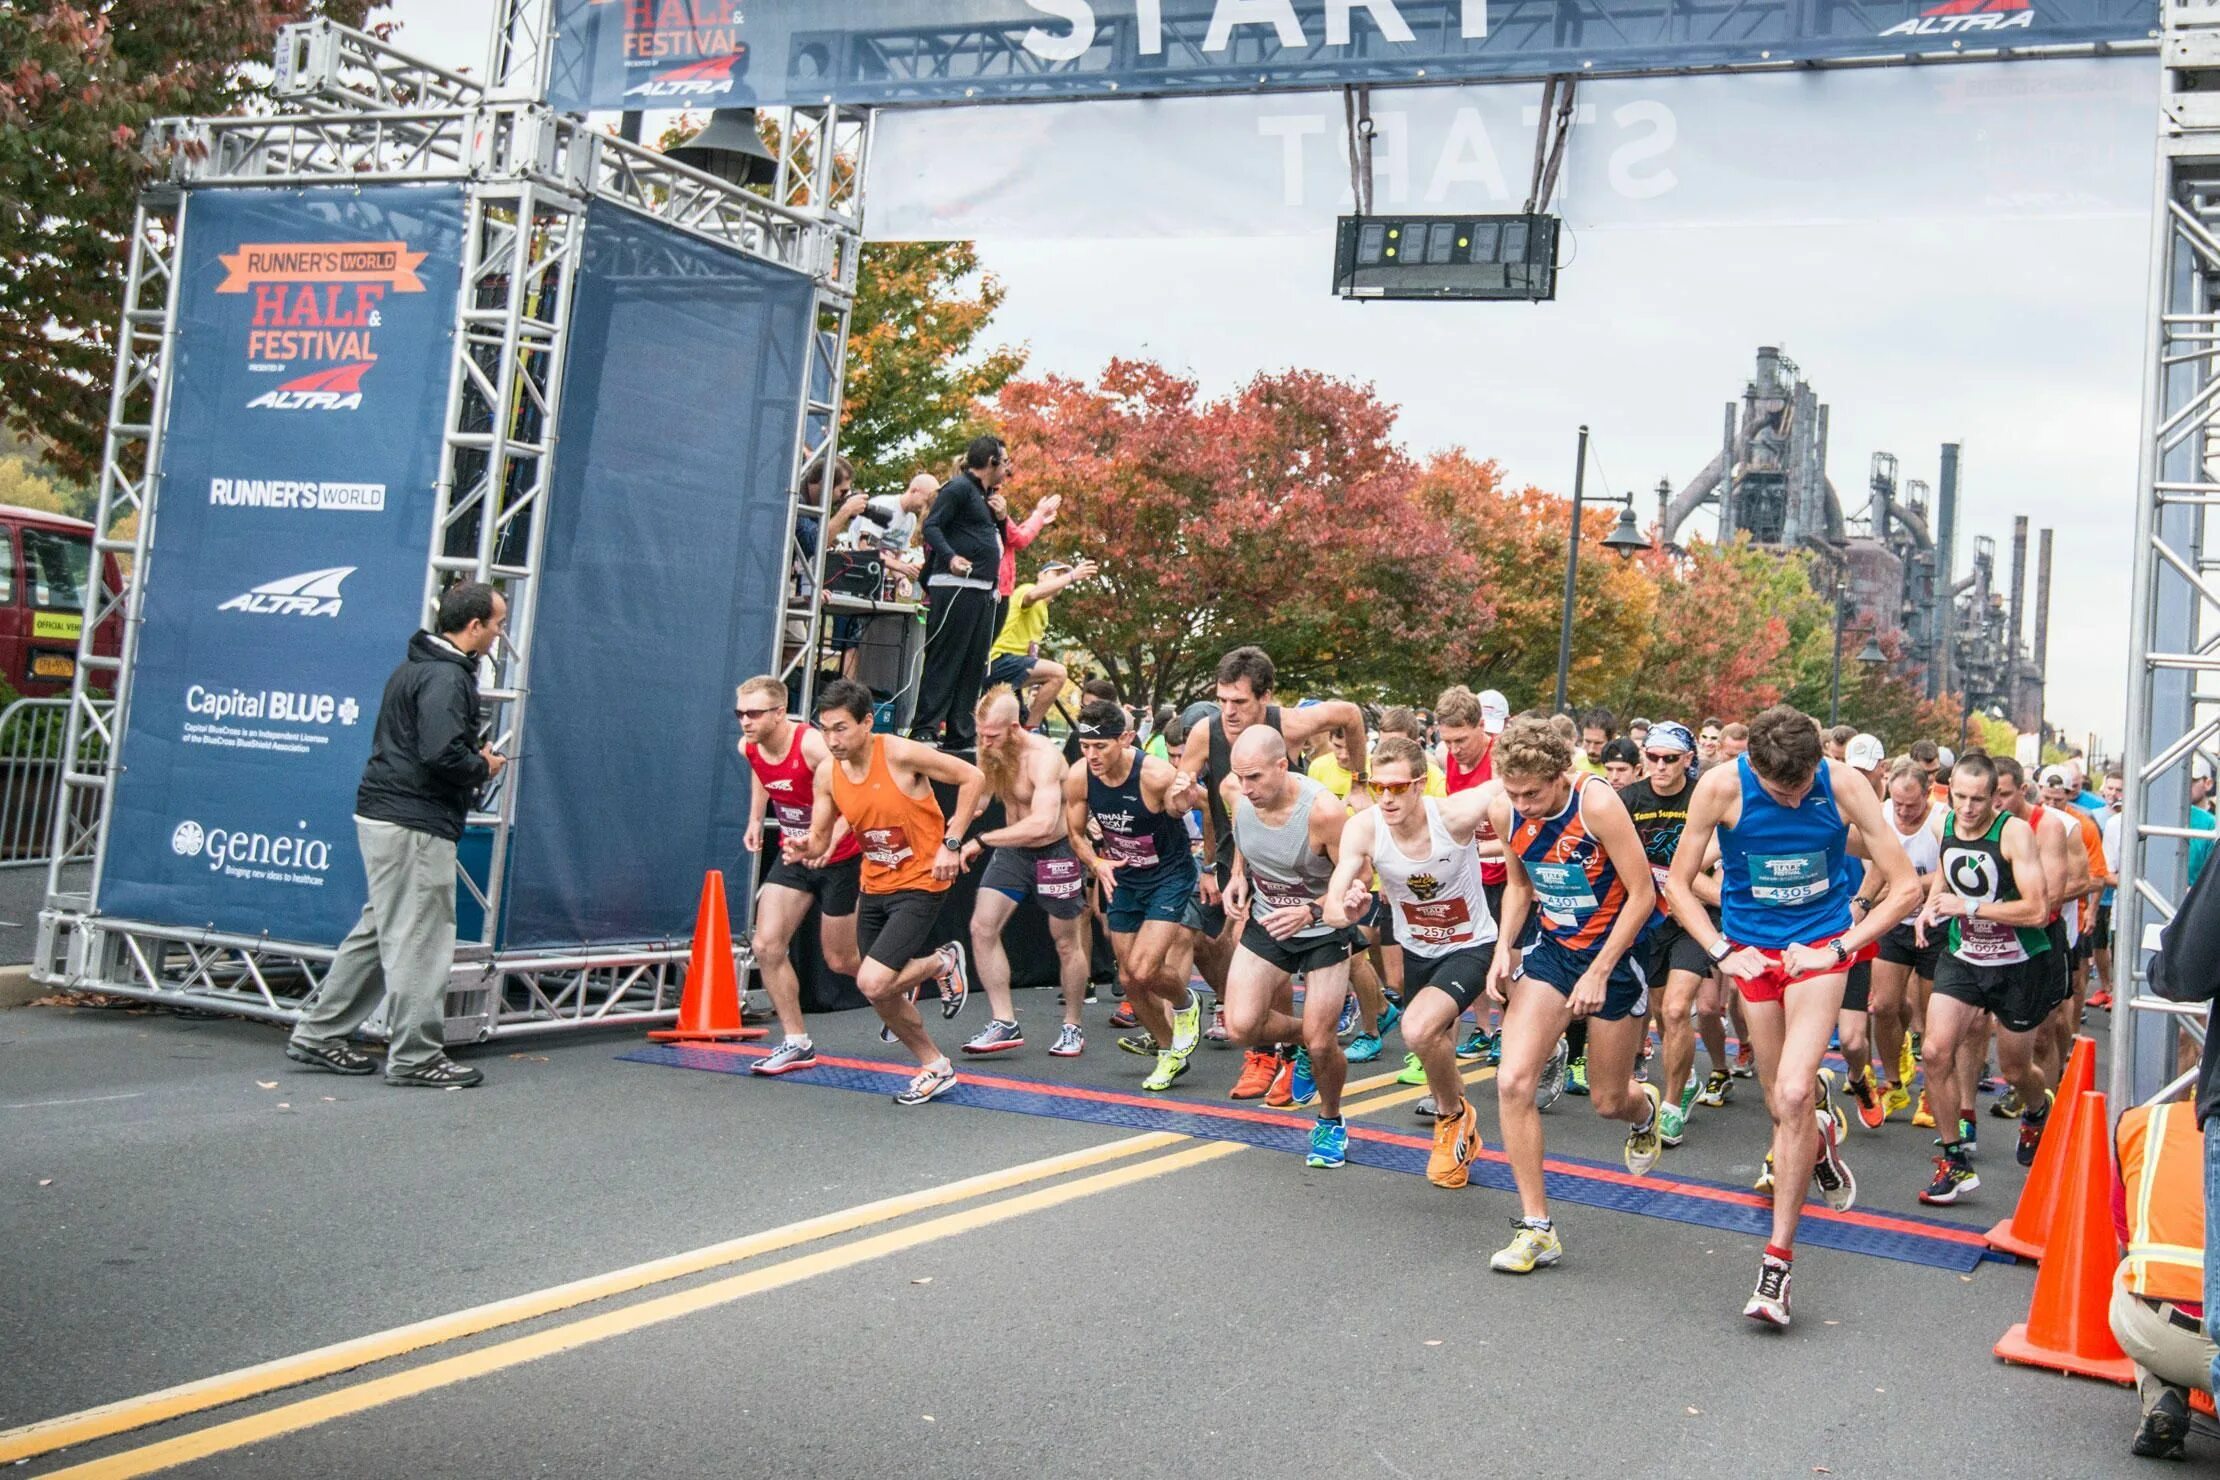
pixel 999 764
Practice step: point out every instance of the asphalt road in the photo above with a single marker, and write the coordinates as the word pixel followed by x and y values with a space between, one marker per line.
pixel 1173 1311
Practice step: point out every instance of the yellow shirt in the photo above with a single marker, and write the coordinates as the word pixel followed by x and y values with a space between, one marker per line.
pixel 1328 772
pixel 1026 626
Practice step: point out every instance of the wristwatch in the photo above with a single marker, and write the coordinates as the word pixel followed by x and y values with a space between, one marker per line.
pixel 954 842
pixel 1720 949
pixel 1841 953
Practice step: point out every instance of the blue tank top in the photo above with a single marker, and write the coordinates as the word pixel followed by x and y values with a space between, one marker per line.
pixel 1151 846
pixel 1785 871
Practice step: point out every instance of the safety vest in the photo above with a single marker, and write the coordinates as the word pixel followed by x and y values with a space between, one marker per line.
pixel 2162 1166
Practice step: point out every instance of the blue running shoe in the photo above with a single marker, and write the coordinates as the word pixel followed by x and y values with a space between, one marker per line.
pixel 1389 1018
pixel 1363 1048
pixel 1301 1088
pixel 1476 1045
pixel 1329 1144
pixel 1348 1018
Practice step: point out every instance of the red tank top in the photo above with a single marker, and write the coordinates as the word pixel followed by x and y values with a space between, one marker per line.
pixel 792 790
pixel 900 833
pixel 1459 779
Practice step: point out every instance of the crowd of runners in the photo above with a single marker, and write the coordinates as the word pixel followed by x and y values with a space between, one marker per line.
pixel 1579 905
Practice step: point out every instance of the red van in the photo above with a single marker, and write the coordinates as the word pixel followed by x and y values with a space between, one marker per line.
pixel 44 562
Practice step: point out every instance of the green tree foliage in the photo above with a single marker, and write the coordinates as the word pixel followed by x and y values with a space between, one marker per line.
pixel 79 82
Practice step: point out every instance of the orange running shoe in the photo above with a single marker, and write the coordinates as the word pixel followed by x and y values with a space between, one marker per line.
pixel 1258 1067
pixel 1282 1093
pixel 1868 1095
pixel 1456 1148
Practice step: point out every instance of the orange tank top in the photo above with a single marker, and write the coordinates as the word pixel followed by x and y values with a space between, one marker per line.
pixel 900 833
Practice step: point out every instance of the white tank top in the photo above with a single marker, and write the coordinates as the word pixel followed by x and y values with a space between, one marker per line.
pixel 1920 844
pixel 1438 902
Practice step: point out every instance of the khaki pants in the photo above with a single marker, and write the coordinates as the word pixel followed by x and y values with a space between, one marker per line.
pixel 2165 1356
pixel 402 948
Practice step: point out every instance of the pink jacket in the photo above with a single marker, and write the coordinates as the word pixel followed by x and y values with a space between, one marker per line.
pixel 1016 537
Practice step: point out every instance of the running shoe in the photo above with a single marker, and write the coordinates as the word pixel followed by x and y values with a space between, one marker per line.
pixel 2164 1431
pixel 791 1054
pixel 886 1034
pixel 1258 1067
pixel 930 1084
pixel 1456 1147
pixel 1826 1103
pixel 1413 1072
pixel 1123 1017
pixel 1923 1117
pixel 1169 1066
pixel 1302 1089
pixel 2007 1106
pixel 1907 1060
pixel 998 1036
pixel 1672 1121
pixel 1217 1034
pixel 1140 1045
pixel 1836 1182
pixel 2101 1002
pixel 1894 1097
pixel 1475 1046
pixel 1745 1062
pixel 1643 1145
pixel 1363 1048
pixel 1425 1109
pixel 1576 1076
pixel 1071 1042
pixel 1390 1015
pixel 1095 991
pixel 1530 1249
pixel 1347 1022
pixel 1550 1087
pixel 1329 1144
pixel 1718 1089
pixel 1954 1178
pixel 1769 1301
pixel 1990 1085
pixel 1187 1024
pixel 955 980
pixel 1764 1182
pixel 1283 1077
pixel 1967 1135
pixel 1870 1112
pixel 2031 1130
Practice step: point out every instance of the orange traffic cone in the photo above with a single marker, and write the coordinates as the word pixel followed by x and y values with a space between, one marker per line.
pixel 2067 1327
pixel 709 1010
pixel 2029 1226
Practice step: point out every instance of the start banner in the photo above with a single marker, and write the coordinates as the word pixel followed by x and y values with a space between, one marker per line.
pixel 670 54
pixel 309 365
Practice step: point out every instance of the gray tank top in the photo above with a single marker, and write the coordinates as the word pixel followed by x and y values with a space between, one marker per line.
pixel 1283 868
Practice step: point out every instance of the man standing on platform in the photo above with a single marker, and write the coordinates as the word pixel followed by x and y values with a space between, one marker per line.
pixel 427 765
pixel 963 553
pixel 882 787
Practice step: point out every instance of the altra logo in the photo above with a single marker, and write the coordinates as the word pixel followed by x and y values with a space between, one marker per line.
pixel 312 594
pixel 337 388
pixel 1956 16
pixel 710 78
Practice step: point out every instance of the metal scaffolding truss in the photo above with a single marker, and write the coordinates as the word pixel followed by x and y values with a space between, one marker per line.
pixel 372 115
pixel 2174 683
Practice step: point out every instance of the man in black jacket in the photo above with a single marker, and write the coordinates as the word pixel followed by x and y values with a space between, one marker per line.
pixel 963 558
pixel 427 764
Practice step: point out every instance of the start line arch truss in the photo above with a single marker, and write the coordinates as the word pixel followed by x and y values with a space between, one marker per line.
pixel 359 112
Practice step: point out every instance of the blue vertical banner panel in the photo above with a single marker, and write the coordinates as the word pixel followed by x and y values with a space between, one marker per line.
pixel 658 586
pixel 308 382
pixel 612 54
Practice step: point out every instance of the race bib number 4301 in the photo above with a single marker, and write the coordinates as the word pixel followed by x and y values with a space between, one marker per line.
pixel 1563 890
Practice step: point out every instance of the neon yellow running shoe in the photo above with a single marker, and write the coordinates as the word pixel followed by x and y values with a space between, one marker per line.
pixel 1413 1072
pixel 1187 1024
pixel 1169 1066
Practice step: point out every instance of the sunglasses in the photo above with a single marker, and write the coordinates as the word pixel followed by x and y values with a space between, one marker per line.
pixel 753 713
pixel 1666 758
pixel 1393 788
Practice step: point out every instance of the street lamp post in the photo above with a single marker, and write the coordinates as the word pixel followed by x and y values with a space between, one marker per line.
pixel 1623 541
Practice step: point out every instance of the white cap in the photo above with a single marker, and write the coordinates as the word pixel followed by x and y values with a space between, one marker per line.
pixel 1495 711
pixel 2053 776
pixel 1944 754
pixel 1865 752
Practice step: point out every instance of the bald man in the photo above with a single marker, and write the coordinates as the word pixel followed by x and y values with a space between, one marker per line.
pixel 1286 841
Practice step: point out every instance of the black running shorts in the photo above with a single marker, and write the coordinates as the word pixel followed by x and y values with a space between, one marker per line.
pixel 892 929
pixel 1304 952
pixel 2019 995
pixel 1462 974
pixel 834 886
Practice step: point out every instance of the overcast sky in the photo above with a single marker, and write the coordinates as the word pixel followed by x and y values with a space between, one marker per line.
pixel 1949 253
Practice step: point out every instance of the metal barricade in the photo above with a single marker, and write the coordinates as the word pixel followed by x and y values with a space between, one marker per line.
pixel 31 739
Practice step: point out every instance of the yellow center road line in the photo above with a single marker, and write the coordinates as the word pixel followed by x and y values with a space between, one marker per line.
pixel 124 1415
pixel 309 1412
pixel 214 1392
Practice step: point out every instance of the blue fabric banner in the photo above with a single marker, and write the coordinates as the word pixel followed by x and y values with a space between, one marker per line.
pixel 309 370
pixel 647 54
pixel 658 587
